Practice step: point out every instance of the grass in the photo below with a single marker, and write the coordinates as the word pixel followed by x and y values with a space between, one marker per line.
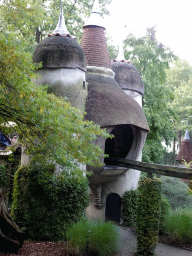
pixel 178 225
pixel 95 238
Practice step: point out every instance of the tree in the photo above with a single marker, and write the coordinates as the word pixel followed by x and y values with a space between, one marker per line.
pixel 179 72
pixel 58 129
pixel 152 59
pixel 179 78
pixel 36 19
pixel 50 128
pixel 112 49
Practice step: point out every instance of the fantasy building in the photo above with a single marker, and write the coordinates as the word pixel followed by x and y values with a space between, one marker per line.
pixel 107 92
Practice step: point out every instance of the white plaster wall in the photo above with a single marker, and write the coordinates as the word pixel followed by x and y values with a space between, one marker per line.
pixel 128 181
pixel 95 214
pixel 65 82
pixel 135 95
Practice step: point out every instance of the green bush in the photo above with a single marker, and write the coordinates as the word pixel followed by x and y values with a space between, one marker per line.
pixel 165 208
pixel 129 208
pixel 45 204
pixel 3 176
pixel 178 225
pixel 176 191
pixel 148 214
pixel 93 238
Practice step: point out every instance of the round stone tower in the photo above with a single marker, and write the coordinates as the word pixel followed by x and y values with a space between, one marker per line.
pixel 63 65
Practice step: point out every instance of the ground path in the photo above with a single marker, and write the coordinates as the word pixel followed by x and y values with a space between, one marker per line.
pixel 128 246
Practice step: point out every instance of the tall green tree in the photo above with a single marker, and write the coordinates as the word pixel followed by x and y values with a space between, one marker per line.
pixel 55 126
pixel 180 71
pixel 179 78
pixel 152 59
pixel 35 19
pixel 58 130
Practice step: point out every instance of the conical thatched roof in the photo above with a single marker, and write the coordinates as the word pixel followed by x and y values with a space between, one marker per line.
pixel 108 105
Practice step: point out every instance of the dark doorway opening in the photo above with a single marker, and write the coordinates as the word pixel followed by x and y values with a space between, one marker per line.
pixel 113 207
pixel 120 145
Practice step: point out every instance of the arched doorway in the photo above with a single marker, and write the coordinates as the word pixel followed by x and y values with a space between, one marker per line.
pixel 113 207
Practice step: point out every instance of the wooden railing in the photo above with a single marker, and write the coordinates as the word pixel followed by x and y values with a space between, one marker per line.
pixel 166 170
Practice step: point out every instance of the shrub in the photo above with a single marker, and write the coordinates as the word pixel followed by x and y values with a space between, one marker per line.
pixel 129 208
pixel 165 208
pixel 148 213
pixel 3 176
pixel 45 204
pixel 176 191
pixel 93 238
pixel 178 224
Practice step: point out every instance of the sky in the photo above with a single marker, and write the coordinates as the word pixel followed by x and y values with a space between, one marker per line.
pixel 172 18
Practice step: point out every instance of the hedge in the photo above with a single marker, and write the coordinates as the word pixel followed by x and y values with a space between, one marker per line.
pixel 44 204
pixel 129 208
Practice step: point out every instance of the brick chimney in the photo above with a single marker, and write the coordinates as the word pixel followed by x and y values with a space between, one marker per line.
pixel 94 42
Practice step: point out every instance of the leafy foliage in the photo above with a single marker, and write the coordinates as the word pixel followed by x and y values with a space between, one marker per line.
pixel 176 191
pixel 59 131
pixel 45 204
pixel 129 208
pixel 93 238
pixel 3 174
pixel 33 20
pixel 148 214
pixel 151 60
pixel 165 208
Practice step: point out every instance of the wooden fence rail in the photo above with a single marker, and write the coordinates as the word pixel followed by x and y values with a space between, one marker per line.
pixel 166 170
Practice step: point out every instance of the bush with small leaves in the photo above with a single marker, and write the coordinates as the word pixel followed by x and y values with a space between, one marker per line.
pixel 129 208
pixel 176 191
pixel 148 215
pixel 45 204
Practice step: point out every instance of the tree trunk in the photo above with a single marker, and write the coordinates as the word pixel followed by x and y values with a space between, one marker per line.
pixel 38 35
pixel 11 237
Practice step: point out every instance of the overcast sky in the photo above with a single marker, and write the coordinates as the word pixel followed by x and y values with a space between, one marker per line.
pixel 172 18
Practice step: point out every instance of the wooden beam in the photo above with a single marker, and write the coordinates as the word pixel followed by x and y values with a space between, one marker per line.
pixel 166 170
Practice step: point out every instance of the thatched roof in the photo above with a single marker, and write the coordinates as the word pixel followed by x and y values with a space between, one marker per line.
pixel 60 52
pixel 108 105
pixel 127 76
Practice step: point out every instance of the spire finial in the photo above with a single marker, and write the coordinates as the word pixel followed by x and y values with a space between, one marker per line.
pixel 186 135
pixel 121 52
pixel 61 28
pixel 95 17
pixel 96 7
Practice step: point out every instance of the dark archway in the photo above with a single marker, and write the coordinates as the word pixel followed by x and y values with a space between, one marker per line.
pixel 120 145
pixel 113 207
